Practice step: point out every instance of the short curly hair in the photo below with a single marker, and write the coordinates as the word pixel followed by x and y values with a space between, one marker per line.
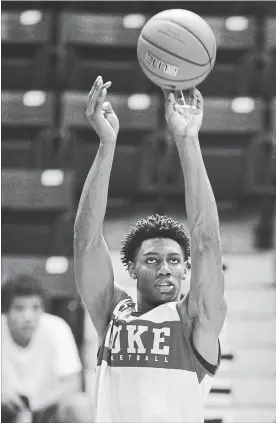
pixel 154 226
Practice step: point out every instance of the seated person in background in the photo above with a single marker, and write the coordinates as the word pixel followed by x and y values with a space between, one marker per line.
pixel 41 368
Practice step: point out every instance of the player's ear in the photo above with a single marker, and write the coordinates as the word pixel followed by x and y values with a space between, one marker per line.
pixel 131 269
pixel 187 266
pixel 184 275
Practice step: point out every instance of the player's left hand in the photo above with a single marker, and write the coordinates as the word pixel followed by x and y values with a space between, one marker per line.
pixel 184 119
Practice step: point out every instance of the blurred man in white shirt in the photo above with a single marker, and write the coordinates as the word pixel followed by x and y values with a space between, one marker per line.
pixel 41 368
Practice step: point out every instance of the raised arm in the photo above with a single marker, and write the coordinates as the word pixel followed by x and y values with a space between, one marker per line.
pixel 93 268
pixel 206 307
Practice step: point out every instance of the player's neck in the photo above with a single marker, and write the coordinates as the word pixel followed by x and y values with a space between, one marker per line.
pixel 143 306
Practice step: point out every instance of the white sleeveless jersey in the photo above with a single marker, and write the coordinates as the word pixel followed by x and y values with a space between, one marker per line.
pixel 148 370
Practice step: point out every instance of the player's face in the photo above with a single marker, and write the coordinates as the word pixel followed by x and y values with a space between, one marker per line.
pixel 23 317
pixel 159 269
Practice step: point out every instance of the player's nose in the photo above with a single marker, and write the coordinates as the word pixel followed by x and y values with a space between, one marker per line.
pixel 164 269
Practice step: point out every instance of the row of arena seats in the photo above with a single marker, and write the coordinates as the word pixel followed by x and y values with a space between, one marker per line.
pixel 96 44
pixel 137 112
pixel 120 30
pixel 147 160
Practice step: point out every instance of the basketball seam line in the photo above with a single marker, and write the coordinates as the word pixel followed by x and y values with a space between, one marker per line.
pixel 174 54
pixel 176 23
pixel 168 79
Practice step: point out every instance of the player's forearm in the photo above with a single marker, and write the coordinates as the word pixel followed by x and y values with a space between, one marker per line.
pixel 200 201
pixel 93 201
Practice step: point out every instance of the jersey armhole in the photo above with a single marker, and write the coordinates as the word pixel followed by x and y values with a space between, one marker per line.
pixel 202 366
pixel 210 368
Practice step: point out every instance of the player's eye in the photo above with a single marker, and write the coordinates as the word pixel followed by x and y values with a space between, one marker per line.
pixel 151 260
pixel 174 260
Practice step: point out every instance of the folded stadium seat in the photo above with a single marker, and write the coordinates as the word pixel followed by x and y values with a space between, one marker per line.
pixel 270 29
pixel 102 45
pixel 270 35
pixel 227 129
pixel 106 45
pixel 55 272
pixel 235 37
pixel 273 114
pixel 138 115
pixel 26 49
pixel 32 202
pixel 25 115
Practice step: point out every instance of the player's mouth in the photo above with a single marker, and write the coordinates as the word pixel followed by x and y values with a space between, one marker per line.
pixel 164 285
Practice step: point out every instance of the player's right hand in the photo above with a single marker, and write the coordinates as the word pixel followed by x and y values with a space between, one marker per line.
pixel 100 114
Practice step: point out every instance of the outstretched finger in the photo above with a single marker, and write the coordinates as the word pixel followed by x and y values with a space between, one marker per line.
pixel 166 93
pixel 105 85
pixel 94 86
pixel 192 98
pixel 99 104
pixel 199 99
pixel 94 97
pixel 170 104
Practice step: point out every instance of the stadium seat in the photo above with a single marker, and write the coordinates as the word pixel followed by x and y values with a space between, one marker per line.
pixel 32 205
pixel 270 33
pixel 29 108
pixel 16 154
pixel 25 27
pixel 241 36
pixel 273 114
pixel 21 238
pixel 124 174
pixel 230 74
pixel 26 41
pixel 36 149
pixel 97 29
pixel 135 112
pixel 37 190
pixel 25 116
pixel 55 272
pixel 222 162
pixel 218 161
pixel 225 115
pixel 35 234
pixel 116 31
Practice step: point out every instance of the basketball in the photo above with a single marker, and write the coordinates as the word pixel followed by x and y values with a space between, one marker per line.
pixel 176 49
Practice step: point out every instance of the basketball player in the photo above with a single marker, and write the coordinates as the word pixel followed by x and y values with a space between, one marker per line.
pixel 156 359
